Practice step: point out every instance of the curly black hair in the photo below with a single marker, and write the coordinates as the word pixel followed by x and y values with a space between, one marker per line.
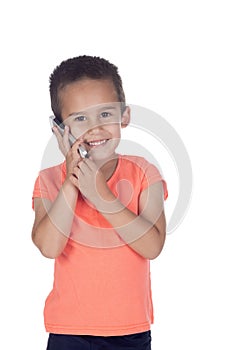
pixel 77 68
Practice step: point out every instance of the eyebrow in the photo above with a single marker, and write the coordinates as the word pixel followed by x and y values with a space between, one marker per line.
pixel 99 110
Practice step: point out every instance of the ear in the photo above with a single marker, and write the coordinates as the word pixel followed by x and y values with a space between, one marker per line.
pixel 126 116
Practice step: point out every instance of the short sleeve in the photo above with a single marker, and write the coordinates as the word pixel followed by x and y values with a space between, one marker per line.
pixel 40 190
pixel 48 183
pixel 151 176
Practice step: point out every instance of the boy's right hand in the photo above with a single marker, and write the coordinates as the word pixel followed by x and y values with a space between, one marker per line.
pixel 71 153
pixel 72 159
pixel 63 140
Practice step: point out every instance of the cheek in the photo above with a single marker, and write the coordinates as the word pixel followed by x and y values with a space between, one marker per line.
pixel 114 130
pixel 77 131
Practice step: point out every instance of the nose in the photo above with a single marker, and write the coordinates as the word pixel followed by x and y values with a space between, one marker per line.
pixel 94 125
pixel 94 130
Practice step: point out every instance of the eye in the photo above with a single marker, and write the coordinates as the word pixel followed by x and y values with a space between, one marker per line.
pixel 105 114
pixel 80 118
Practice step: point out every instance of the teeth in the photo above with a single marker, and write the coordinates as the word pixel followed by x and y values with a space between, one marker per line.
pixel 97 143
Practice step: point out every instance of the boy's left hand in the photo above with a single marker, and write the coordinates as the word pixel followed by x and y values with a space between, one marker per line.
pixel 92 183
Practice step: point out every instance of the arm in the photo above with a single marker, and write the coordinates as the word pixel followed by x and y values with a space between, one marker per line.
pixel 53 221
pixel 145 232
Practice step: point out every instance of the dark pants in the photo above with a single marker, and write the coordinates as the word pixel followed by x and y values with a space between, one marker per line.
pixel 138 341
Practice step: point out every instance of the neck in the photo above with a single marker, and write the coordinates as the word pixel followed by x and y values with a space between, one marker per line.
pixel 108 166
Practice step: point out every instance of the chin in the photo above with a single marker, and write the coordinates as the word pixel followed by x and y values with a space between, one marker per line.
pixel 102 155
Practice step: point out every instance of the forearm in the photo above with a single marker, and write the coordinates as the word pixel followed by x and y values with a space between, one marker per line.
pixel 145 237
pixel 51 231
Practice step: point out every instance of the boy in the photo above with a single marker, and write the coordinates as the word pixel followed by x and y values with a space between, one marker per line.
pixel 101 218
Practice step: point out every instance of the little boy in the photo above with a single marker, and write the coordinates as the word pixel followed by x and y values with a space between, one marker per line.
pixel 101 217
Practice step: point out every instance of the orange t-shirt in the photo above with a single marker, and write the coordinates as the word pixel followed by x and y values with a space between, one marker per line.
pixel 101 285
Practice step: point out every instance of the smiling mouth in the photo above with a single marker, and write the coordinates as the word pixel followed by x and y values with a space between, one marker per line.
pixel 96 143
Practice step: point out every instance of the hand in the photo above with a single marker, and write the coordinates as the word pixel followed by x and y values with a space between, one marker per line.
pixel 71 153
pixel 72 160
pixel 63 140
pixel 91 182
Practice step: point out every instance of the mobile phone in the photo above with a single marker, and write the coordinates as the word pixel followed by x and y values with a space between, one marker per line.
pixel 55 122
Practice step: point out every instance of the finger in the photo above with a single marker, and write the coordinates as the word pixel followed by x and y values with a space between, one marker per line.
pixel 66 138
pixel 75 148
pixel 83 168
pixel 90 164
pixel 64 147
pixel 59 140
pixel 57 134
pixel 74 180
pixel 76 172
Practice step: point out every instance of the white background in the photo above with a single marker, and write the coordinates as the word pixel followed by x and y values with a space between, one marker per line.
pixel 175 58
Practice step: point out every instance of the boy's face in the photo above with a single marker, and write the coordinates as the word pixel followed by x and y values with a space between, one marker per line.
pixel 93 113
